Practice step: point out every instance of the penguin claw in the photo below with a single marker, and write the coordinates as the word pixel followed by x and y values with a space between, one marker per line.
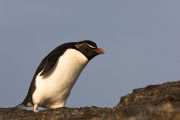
pixel 35 108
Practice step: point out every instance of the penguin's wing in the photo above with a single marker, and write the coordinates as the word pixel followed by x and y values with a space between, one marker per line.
pixel 49 62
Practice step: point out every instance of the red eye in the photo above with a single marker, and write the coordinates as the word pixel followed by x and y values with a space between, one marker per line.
pixel 88 48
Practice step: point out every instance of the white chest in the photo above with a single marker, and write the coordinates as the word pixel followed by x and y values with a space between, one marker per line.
pixel 53 89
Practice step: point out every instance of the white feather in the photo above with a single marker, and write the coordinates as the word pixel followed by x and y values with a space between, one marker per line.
pixel 53 89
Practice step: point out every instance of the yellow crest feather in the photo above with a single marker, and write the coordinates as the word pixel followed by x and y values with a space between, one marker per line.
pixel 79 45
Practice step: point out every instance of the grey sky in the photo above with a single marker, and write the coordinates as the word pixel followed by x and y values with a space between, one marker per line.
pixel 141 40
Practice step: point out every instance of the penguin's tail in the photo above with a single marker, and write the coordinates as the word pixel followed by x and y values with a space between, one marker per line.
pixel 20 106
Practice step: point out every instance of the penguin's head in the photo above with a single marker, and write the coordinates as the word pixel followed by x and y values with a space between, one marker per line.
pixel 88 48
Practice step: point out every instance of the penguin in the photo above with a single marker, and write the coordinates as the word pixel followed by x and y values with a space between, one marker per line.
pixel 57 73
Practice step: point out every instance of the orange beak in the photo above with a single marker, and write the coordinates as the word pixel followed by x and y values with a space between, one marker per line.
pixel 99 50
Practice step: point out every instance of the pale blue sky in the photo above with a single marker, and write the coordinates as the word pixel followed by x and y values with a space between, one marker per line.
pixel 141 39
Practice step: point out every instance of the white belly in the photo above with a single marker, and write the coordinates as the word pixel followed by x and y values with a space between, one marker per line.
pixel 53 89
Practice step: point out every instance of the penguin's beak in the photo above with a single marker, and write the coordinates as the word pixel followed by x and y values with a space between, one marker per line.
pixel 99 50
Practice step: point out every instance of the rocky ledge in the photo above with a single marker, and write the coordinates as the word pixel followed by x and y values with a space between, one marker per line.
pixel 154 102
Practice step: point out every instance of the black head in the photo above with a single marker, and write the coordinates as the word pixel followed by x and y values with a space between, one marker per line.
pixel 88 48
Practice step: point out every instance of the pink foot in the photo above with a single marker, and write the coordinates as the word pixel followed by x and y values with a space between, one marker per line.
pixel 35 108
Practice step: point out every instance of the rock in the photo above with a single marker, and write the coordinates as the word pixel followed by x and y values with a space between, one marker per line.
pixel 154 102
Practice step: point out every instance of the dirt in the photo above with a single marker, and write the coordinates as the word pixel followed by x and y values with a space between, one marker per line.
pixel 153 102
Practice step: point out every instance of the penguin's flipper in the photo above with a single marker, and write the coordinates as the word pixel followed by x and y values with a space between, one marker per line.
pixel 48 63
pixel 50 60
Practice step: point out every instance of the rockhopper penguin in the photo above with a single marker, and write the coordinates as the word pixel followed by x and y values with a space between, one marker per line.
pixel 57 73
